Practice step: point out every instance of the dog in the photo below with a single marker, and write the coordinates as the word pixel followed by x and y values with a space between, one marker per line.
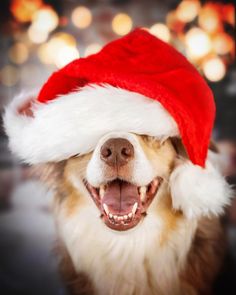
pixel 123 138
pixel 118 232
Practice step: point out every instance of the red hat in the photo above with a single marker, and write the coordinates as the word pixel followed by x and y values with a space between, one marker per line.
pixel 135 84
pixel 140 63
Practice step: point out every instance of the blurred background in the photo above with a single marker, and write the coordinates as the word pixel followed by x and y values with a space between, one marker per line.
pixel 38 37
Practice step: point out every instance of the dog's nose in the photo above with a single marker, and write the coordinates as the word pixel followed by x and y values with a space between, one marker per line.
pixel 117 152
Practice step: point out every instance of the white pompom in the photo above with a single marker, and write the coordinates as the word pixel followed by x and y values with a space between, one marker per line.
pixel 198 191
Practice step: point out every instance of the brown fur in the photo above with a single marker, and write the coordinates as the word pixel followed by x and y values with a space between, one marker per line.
pixel 76 283
pixel 171 218
pixel 205 257
pixel 207 250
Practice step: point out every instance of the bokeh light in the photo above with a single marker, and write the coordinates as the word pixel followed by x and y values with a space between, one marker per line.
pixel 45 19
pixel 92 48
pixel 24 9
pixel 65 55
pixel 122 24
pixel 214 69
pixel 59 50
pixel 201 30
pixel 209 19
pixel 36 35
pixel 174 24
pixel 81 17
pixel 187 10
pixel 161 31
pixel 18 53
pixel 198 43
pixel 64 38
pixel 222 43
pixel 9 75
pixel 44 54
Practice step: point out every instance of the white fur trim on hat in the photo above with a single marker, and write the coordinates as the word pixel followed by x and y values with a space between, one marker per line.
pixel 198 191
pixel 73 123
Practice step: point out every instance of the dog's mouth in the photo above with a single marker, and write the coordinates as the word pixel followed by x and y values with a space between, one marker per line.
pixel 123 204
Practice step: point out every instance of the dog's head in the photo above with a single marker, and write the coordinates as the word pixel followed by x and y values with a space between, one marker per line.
pixel 122 176
pixel 117 171
pixel 80 105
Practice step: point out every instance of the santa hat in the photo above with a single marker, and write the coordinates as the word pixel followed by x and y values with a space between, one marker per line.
pixel 136 84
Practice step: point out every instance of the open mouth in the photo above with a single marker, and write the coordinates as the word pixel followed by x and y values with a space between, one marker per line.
pixel 123 204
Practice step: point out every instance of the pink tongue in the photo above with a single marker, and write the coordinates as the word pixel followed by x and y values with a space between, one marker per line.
pixel 120 197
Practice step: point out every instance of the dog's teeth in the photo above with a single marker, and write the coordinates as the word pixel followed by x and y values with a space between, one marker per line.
pixel 110 216
pixel 130 215
pixel 120 218
pixel 134 209
pixel 105 209
pixel 125 217
pixel 115 217
pixel 102 191
pixel 142 191
pixel 155 182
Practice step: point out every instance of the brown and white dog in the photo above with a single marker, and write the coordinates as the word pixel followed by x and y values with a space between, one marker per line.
pixel 134 215
pixel 118 230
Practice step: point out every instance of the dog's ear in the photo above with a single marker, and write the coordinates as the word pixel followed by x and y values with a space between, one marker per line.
pixel 49 173
pixel 179 147
pixel 181 151
pixel 195 190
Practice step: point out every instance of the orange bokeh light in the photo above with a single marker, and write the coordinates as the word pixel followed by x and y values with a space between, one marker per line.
pixel 210 19
pixel 81 17
pixel 187 10
pixel 23 10
pixel 223 43
pixel 174 23
pixel 122 24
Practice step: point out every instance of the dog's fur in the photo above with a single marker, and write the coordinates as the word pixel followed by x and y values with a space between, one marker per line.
pixel 165 254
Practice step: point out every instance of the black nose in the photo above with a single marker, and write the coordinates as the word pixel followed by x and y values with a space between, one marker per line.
pixel 117 152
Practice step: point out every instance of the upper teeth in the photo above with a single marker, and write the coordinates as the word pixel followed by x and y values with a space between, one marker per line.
pixel 102 191
pixel 142 191
pixel 106 209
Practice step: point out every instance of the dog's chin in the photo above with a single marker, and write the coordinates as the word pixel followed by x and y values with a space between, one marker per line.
pixel 122 204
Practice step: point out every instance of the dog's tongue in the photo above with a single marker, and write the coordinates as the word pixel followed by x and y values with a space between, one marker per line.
pixel 120 196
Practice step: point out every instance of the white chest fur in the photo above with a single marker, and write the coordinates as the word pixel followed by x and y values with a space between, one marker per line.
pixel 126 263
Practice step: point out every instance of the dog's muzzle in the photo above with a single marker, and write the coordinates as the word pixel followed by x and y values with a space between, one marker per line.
pixel 122 203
